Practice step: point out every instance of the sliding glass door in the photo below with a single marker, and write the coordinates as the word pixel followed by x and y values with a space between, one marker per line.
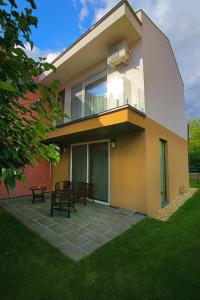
pixel 98 170
pixel 79 163
pixel 90 164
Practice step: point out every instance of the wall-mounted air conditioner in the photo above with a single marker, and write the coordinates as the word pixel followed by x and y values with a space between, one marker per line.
pixel 118 54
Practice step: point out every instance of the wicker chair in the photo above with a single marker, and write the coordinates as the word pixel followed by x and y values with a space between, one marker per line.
pixel 81 191
pixel 61 200
pixel 63 186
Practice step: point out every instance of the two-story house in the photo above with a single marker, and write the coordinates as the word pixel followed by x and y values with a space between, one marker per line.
pixel 124 95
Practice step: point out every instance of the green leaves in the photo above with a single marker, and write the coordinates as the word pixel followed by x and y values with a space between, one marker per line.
pixel 13 3
pixel 7 87
pixel 27 109
pixel 194 145
pixel 33 4
pixel 194 134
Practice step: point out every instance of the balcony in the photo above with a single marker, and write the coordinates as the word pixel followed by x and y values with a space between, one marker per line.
pixel 101 107
pixel 99 95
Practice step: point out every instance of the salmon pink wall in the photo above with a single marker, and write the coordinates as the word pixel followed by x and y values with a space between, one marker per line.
pixel 39 175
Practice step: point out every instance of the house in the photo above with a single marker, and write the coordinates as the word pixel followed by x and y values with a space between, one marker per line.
pixel 126 129
pixel 124 95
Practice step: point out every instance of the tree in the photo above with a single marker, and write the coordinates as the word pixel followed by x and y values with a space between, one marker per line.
pixel 23 125
pixel 194 144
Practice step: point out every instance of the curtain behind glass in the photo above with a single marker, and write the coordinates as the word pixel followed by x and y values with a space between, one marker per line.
pixel 79 163
pixel 98 170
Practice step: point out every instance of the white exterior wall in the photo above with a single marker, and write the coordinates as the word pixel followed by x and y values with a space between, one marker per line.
pixel 164 89
pixel 125 83
pixel 133 82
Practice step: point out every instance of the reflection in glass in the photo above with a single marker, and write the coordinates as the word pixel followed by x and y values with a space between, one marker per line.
pixel 76 102
pixel 96 97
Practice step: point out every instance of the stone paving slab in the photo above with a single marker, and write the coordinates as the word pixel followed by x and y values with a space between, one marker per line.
pixel 87 229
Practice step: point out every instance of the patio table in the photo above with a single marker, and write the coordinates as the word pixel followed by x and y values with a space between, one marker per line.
pixel 38 193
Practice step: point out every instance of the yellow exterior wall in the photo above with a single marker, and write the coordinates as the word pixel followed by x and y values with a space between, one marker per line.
pixel 127 172
pixel 135 167
pixel 112 118
pixel 177 164
pixel 62 170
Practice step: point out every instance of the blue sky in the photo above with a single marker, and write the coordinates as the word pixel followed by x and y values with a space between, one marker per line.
pixel 61 22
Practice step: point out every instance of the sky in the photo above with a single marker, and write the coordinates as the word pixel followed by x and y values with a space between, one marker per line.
pixel 61 22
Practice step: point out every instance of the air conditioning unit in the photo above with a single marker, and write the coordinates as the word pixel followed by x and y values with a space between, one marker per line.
pixel 118 54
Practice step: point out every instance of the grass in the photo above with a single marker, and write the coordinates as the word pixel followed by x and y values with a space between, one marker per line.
pixel 152 260
pixel 195 183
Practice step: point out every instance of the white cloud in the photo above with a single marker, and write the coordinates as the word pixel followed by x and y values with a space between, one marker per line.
pixel 35 53
pixel 179 20
pixel 100 7
pixel 107 5
pixel 82 16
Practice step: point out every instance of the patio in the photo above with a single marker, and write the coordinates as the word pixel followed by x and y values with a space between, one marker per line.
pixel 87 229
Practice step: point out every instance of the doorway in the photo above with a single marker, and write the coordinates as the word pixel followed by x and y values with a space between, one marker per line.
pixel 90 163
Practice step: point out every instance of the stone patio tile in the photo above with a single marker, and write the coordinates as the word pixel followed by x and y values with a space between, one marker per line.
pixel 98 222
pixel 111 234
pixel 89 247
pixel 38 228
pixel 97 228
pixel 76 239
pixel 80 221
pixel 32 214
pixel 86 230
pixel 53 239
pixel 73 251
pixel 58 229
pixel 41 210
pixel 121 228
pixel 96 238
pixel 62 220
pixel 79 229
pixel 26 220
pixel 45 221
pixel 109 219
pixel 138 217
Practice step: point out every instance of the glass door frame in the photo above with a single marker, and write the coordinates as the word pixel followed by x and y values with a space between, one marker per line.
pixel 89 143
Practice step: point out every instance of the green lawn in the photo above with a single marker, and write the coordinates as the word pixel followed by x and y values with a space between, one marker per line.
pixel 195 183
pixel 153 260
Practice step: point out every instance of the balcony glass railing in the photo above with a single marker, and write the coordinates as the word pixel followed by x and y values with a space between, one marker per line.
pixel 103 94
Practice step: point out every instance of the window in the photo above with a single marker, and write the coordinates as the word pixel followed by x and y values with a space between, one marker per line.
pixel 89 97
pixel 96 97
pixel 163 173
pixel 61 104
pixel 76 102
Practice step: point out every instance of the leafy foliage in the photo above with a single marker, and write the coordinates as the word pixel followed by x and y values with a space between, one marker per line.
pixel 23 124
pixel 194 145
